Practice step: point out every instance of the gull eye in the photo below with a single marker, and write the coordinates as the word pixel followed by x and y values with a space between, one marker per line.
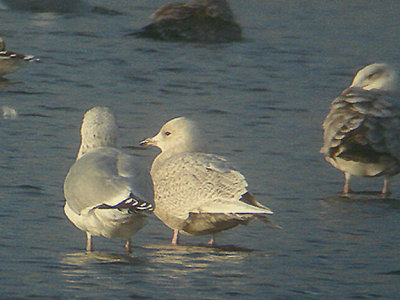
pixel 374 75
pixel 167 133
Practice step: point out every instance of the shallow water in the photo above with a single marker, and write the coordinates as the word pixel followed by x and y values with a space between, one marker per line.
pixel 261 103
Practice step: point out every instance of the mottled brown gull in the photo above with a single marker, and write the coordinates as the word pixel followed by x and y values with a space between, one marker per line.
pixel 197 193
pixel 362 129
pixel 11 61
pixel 105 188
pixel 196 20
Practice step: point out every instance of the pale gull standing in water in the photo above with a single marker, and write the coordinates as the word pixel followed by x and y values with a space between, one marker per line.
pixel 197 193
pixel 105 188
pixel 362 129
pixel 11 61
pixel 196 20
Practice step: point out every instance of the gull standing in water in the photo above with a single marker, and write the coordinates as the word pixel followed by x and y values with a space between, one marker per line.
pixel 11 61
pixel 198 193
pixel 196 21
pixel 105 188
pixel 362 129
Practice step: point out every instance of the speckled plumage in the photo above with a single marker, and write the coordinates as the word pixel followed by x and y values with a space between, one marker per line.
pixel 198 193
pixel 362 129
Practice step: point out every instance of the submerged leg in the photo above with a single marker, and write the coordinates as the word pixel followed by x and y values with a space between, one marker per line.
pixel 128 246
pixel 211 242
pixel 175 238
pixel 89 242
pixel 347 188
pixel 386 186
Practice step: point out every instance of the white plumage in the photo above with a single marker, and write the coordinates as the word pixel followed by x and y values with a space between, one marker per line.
pixel 362 129
pixel 105 188
pixel 197 193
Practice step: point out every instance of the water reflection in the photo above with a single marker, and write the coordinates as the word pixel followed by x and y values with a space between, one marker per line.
pixel 350 220
pixel 81 259
pixel 98 273
pixel 90 272
pixel 203 270
pixel 183 259
pixel 83 269
pixel 355 198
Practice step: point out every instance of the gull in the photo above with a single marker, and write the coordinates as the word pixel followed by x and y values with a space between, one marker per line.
pixel 362 129
pixel 11 61
pixel 196 20
pixel 197 193
pixel 105 188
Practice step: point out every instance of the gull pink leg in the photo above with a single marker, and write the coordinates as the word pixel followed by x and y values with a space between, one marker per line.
pixel 211 242
pixel 347 188
pixel 386 186
pixel 89 242
pixel 175 238
pixel 128 246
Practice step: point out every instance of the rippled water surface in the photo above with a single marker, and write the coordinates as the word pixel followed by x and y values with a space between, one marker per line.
pixel 261 103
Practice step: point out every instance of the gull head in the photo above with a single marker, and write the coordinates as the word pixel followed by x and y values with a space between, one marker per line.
pixel 378 76
pixel 99 129
pixel 178 135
